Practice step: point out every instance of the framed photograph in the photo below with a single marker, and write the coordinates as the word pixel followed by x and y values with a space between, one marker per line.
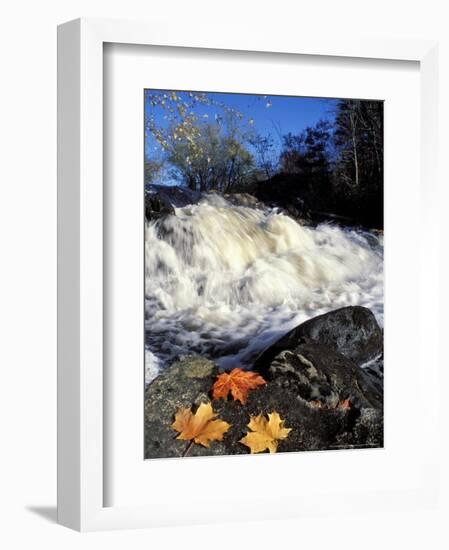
pixel 263 273
pixel 242 223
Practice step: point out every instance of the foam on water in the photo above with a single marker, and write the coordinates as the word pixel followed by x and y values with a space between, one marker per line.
pixel 226 281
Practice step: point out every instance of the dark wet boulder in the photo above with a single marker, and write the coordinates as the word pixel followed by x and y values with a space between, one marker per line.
pixel 244 199
pixel 157 206
pixel 311 429
pixel 367 431
pixel 292 390
pixel 176 195
pixel 375 371
pixel 161 200
pixel 352 331
pixel 297 210
pixel 185 383
pixel 315 372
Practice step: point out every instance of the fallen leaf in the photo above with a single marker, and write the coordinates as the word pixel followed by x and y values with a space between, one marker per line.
pixel 238 382
pixel 344 404
pixel 265 433
pixel 201 426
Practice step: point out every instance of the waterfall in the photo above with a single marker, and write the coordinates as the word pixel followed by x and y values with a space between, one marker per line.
pixel 225 281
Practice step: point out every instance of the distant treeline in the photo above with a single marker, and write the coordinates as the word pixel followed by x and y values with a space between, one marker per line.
pixel 335 166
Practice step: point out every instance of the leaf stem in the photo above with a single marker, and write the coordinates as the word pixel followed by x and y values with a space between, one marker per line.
pixel 189 446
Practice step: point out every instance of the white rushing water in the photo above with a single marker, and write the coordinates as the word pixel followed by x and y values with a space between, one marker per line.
pixel 225 281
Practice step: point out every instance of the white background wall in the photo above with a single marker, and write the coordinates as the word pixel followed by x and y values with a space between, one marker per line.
pixel 28 269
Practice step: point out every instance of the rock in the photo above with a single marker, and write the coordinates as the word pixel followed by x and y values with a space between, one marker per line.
pixel 369 427
pixel 320 373
pixel 156 206
pixel 185 383
pixel 316 372
pixel 375 370
pixel 244 199
pixel 297 210
pixel 161 200
pixel 312 429
pixel 352 331
pixel 177 196
pixel 368 431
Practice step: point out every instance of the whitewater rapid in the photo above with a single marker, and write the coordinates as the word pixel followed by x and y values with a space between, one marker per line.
pixel 226 281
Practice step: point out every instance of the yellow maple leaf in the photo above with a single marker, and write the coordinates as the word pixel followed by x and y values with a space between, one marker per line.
pixel 200 427
pixel 265 433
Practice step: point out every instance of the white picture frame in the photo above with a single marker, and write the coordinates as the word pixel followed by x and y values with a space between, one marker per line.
pixel 81 404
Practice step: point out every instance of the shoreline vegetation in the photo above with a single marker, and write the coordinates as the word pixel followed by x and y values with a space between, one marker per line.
pixel 265 249
pixel 330 169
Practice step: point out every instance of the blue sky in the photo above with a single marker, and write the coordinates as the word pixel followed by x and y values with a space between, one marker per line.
pixel 272 116
pixel 283 114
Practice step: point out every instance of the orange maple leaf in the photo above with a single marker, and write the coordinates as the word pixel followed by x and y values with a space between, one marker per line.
pixel 344 404
pixel 238 382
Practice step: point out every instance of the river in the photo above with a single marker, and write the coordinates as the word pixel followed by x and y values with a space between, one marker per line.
pixel 226 281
